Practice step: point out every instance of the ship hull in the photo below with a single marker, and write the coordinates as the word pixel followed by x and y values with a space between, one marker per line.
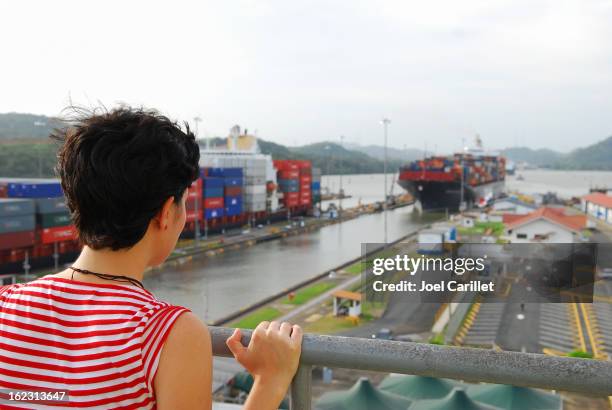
pixel 446 195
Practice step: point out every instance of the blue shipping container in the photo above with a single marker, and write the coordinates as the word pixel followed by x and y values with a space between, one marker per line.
pixel 21 223
pixel 213 192
pixel 213 182
pixel 233 181
pixel 234 172
pixel 15 207
pixel 213 213
pixel 233 210
pixel 316 186
pixel 288 185
pixel 233 200
pixel 216 172
pixel 34 190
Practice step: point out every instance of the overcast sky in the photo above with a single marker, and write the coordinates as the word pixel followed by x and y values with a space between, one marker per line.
pixel 535 73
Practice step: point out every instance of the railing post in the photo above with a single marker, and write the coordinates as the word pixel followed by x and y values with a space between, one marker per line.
pixel 301 388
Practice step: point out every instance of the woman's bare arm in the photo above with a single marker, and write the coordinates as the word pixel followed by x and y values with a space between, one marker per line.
pixel 184 376
pixel 272 357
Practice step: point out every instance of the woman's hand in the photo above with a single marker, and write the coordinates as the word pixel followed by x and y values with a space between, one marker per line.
pixel 272 357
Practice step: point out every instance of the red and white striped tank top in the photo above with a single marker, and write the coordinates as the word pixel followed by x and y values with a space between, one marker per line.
pixel 99 342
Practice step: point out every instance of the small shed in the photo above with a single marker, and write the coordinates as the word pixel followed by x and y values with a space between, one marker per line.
pixel 353 299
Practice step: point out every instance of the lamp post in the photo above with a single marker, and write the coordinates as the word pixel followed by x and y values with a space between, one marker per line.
pixel 340 191
pixel 197 120
pixel 385 122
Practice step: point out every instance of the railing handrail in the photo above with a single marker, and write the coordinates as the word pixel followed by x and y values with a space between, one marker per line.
pixel 469 364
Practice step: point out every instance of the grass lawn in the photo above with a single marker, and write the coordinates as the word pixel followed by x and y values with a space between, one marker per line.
pixel 304 295
pixel 497 228
pixel 251 321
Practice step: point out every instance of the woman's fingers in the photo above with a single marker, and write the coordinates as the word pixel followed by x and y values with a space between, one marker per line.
pixel 285 329
pixel 235 345
pixel 274 326
pixel 296 334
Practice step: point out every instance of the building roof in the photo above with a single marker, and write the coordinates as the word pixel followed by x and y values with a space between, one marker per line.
pixel 599 199
pixel 345 294
pixel 554 215
pixel 510 218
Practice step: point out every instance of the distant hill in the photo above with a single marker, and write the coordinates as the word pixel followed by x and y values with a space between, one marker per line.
pixel 26 151
pixel 539 157
pixel 15 126
pixel 378 151
pixel 331 158
pixel 597 156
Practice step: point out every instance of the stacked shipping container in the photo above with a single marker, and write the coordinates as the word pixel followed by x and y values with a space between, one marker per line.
pixel 316 185
pixel 231 190
pixel 288 182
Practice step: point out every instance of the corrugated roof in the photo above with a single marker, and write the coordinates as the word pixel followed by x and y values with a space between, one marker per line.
pixel 599 199
pixel 555 215
pixel 345 294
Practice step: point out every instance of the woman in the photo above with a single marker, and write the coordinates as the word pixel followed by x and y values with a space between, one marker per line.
pixel 92 333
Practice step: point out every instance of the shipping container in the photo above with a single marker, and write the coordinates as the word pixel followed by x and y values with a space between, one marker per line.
pixel 51 205
pixel 255 189
pixel 35 189
pixel 213 203
pixel 16 207
pixel 58 234
pixel 213 192
pixel 19 223
pixel 233 200
pixel 193 215
pixel 210 182
pixel 233 181
pixel 233 190
pixel 16 240
pixel 289 174
pixel 54 220
pixel 213 213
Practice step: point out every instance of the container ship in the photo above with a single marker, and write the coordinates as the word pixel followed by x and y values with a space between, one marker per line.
pixel 474 176
pixel 238 186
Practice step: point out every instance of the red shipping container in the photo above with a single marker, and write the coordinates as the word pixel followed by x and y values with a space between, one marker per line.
pixel 305 194
pixel 289 174
pixel 14 240
pixel 305 179
pixel 195 190
pixel 233 190
pixel 305 187
pixel 58 234
pixel 303 163
pixel 304 201
pixel 291 196
pixel 210 203
pixel 290 202
pixel 3 190
pixel 285 165
pixel 192 215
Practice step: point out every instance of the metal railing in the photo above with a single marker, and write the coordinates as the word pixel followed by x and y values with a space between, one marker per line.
pixel 475 365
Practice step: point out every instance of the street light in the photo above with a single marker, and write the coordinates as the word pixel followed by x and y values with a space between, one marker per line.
pixel 197 120
pixel 340 190
pixel 385 122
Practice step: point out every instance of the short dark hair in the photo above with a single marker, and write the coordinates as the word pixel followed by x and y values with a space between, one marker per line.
pixel 117 169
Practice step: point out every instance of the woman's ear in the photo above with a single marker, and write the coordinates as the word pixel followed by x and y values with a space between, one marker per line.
pixel 163 217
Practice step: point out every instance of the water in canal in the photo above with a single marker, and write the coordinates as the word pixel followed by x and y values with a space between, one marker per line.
pixel 213 287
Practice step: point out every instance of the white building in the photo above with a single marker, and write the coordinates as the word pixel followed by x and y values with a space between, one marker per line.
pixel 548 225
pixel 598 205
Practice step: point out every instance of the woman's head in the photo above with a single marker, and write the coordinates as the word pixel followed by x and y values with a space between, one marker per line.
pixel 124 173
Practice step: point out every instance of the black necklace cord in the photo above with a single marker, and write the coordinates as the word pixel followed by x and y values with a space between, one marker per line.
pixel 107 276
